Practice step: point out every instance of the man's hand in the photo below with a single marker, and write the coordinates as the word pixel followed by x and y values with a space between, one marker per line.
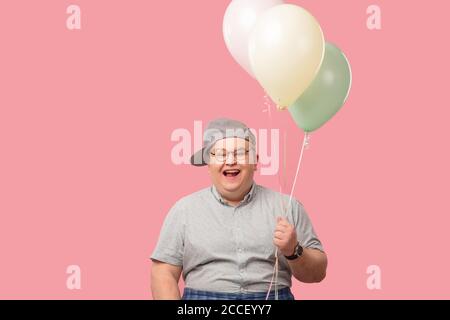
pixel 285 236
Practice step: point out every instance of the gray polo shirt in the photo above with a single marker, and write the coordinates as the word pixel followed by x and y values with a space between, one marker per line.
pixel 230 249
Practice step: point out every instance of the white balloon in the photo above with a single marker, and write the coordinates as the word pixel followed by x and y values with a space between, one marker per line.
pixel 238 23
pixel 286 50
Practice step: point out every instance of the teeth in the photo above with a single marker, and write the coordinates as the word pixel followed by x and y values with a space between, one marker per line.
pixel 232 171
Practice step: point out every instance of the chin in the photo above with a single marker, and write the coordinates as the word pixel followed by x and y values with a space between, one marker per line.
pixel 231 187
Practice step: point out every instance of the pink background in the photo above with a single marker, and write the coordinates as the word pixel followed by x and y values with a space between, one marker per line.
pixel 86 116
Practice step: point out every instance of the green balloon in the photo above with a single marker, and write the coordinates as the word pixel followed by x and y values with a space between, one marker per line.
pixel 326 94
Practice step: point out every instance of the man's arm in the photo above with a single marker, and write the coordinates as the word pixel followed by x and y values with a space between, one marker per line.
pixel 165 279
pixel 311 267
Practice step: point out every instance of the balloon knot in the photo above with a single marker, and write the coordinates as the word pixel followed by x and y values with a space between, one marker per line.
pixel 307 140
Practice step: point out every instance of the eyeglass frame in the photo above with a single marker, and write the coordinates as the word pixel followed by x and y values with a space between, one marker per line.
pixel 235 155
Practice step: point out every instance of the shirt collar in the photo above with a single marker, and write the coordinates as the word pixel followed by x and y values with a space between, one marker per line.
pixel 248 197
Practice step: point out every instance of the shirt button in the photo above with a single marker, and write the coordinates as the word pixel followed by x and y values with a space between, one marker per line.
pixel 240 250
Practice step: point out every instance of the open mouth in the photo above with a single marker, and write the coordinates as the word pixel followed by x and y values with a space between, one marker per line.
pixel 231 172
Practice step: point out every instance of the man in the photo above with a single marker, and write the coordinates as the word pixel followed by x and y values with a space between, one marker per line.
pixel 223 238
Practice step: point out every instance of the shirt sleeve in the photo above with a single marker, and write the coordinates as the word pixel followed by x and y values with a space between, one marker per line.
pixel 305 230
pixel 170 245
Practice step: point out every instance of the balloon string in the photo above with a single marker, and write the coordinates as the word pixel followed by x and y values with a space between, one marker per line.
pixel 306 142
pixel 268 109
pixel 274 280
pixel 284 159
pixel 273 274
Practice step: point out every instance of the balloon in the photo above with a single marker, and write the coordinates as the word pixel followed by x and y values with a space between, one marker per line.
pixel 286 49
pixel 327 94
pixel 239 20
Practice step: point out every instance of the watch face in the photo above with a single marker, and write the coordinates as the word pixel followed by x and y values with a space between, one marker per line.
pixel 299 250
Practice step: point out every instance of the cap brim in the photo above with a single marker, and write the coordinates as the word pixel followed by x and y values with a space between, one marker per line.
pixel 197 159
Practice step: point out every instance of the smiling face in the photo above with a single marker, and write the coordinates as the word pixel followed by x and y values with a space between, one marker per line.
pixel 232 165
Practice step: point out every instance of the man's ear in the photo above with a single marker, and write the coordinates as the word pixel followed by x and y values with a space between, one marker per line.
pixel 257 162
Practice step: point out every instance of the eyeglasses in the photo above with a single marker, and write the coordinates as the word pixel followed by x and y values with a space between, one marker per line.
pixel 221 155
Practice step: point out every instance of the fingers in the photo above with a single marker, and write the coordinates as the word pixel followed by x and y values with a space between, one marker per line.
pixel 278 235
pixel 281 228
pixel 283 221
pixel 277 242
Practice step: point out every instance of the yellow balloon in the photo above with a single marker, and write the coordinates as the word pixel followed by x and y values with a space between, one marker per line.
pixel 286 50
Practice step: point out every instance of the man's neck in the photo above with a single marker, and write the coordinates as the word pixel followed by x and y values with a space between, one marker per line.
pixel 234 202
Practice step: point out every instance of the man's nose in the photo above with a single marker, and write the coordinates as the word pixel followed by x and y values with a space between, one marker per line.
pixel 231 159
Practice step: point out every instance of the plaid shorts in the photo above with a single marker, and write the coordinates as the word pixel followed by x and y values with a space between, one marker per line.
pixel 192 294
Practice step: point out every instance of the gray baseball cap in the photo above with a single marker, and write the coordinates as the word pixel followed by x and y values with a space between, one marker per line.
pixel 217 130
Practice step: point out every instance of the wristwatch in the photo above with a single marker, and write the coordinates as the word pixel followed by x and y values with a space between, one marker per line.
pixel 298 251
